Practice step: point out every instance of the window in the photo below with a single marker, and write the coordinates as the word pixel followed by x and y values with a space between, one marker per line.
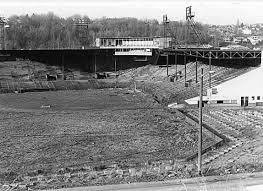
pixel 220 101
pixel 258 97
pixel 214 90
pixel 253 97
pixel 234 101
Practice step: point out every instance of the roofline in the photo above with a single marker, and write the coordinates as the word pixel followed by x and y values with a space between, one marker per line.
pixel 128 37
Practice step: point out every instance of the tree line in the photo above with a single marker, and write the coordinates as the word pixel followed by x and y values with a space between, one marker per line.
pixel 49 31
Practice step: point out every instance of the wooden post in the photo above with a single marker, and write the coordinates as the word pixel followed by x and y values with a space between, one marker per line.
pixel 167 61
pixel 200 137
pixel 184 69
pixel 95 64
pixel 62 62
pixel 196 70
pixel 175 61
pixel 115 68
pixel 210 67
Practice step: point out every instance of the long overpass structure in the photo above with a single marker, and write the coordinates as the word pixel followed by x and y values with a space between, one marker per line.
pixel 215 54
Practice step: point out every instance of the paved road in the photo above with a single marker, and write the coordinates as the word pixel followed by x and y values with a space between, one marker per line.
pixel 242 182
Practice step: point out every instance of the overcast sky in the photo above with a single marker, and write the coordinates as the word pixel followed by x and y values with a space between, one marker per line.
pixel 206 11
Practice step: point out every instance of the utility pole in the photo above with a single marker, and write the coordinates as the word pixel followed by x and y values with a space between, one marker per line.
pixel 167 61
pixel 62 66
pixel 95 64
pixel 175 61
pixel 200 136
pixel 164 30
pixel 210 67
pixel 196 70
pixel 115 68
pixel 184 69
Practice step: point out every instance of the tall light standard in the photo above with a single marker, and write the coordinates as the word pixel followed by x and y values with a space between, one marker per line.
pixel 165 25
pixel 3 26
pixel 82 24
pixel 59 35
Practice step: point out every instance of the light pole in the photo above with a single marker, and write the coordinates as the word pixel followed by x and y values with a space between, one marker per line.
pixel 115 68
pixel 175 61
pixel 95 64
pixel 167 65
pixel 200 136
pixel 210 67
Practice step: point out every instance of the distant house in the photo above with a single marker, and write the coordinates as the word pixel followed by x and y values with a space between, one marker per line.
pixel 238 40
pixel 227 39
pixel 245 40
pixel 255 39
pixel 247 31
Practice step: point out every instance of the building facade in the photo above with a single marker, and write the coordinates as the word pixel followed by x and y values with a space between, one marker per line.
pixel 244 90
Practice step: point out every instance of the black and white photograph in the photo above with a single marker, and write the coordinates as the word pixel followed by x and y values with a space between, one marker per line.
pixel 131 95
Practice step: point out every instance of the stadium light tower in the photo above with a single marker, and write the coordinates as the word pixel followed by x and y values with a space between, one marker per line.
pixel 82 24
pixel 165 25
pixel 165 40
pixel 189 15
pixel 3 26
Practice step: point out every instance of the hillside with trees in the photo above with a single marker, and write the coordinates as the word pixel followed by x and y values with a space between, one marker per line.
pixel 49 31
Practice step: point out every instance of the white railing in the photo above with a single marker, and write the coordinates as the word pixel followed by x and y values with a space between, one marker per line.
pixel 134 53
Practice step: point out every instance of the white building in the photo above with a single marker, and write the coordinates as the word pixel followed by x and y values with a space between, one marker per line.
pixel 255 39
pixel 126 42
pixel 137 46
pixel 244 90
pixel 240 39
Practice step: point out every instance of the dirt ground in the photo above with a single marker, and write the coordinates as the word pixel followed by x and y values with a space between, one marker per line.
pixel 249 156
pixel 88 127
pixel 44 132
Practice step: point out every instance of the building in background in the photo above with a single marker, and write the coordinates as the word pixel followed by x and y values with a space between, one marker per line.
pixel 138 46
pixel 244 90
